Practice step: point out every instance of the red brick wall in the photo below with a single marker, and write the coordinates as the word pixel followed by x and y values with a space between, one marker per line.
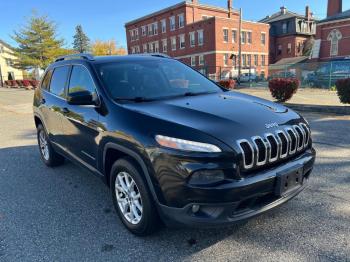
pixel 284 41
pixel 323 31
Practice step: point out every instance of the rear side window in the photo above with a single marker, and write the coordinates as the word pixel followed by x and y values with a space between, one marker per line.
pixel 58 80
pixel 81 80
pixel 46 81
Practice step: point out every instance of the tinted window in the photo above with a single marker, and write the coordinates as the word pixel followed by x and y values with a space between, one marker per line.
pixel 46 81
pixel 153 79
pixel 58 80
pixel 81 80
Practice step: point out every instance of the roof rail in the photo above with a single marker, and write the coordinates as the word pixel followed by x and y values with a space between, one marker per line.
pixel 76 56
pixel 153 54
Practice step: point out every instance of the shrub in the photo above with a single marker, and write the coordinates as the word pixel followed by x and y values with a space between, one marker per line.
pixel 8 83
pixel 19 82
pixel 283 89
pixel 229 84
pixel 26 82
pixel 13 83
pixel 343 90
pixel 34 83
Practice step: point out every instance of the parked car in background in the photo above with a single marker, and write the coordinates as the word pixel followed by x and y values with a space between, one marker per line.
pixel 171 145
pixel 247 77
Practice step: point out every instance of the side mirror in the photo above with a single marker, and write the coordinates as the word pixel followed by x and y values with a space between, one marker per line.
pixel 81 98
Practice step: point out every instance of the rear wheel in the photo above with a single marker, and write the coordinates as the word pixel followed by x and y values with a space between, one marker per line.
pixel 132 199
pixel 47 153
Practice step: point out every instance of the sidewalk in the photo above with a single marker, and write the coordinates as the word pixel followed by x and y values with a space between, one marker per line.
pixel 315 100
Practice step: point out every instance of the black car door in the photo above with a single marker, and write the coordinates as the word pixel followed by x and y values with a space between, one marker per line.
pixel 53 101
pixel 80 122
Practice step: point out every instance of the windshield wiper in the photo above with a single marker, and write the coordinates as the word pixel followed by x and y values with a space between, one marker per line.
pixel 199 93
pixel 136 99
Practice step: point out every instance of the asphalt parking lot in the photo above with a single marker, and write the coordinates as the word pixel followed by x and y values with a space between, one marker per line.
pixel 65 214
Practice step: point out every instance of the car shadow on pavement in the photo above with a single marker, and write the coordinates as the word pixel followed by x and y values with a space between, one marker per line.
pixel 67 214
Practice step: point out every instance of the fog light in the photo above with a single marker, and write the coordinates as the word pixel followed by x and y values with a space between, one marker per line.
pixel 207 177
pixel 195 208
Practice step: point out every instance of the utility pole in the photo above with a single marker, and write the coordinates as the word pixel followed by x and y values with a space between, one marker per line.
pixel 240 45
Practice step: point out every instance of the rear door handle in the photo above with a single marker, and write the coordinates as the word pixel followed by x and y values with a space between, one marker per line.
pixel 43 101
pixel 65 110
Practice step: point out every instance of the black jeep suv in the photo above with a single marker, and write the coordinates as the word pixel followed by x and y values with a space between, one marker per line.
pixel 172 145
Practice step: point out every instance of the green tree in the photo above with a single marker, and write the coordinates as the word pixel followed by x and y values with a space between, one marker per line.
pixel 38 44
pixel 81 42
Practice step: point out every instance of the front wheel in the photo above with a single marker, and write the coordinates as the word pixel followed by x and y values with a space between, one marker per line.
pixel 47 153
pixel 132 199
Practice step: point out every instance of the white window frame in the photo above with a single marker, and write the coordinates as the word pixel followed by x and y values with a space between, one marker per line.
pixel 163 25
pixel 225 34
pixel 156 47
pixel 173 43
pixel 201 60
pixel 244 60
pixel 181 18
pixel 249 37
pixel 200 39
pixel 334 37
pixel 143 30
pixel 172 23
pixel 145 48
pixel 165 46
pixel 150 48
pixel 182 41
pixel 244 37
pixel 256 60
pixel 192 39
pixel 155 28
pixel 263 38
pixel 150 30
pixel 193 60
pixel 249 60
pixel 263 60
pixel 234 35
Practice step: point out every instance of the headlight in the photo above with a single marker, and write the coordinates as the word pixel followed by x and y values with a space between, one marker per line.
pixel 186 145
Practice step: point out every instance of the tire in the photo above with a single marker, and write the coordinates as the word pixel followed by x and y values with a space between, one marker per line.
pixel 47 153
pixel 145 222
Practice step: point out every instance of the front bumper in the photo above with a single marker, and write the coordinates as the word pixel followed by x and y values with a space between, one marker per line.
pixel 250 196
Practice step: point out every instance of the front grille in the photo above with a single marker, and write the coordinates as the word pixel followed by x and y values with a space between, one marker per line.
pixel 262 150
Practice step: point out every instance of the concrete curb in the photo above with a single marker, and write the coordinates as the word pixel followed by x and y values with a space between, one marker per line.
pixel 339 110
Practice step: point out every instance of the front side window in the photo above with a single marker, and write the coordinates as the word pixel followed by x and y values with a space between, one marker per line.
pixel 152 79
pixel 58 80
pixel 80 81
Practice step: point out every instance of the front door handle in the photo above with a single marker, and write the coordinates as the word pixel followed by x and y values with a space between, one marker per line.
pixel 65 110
pixel 43 101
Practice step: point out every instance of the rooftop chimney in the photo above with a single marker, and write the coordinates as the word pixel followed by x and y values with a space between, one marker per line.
pixel 308 13
pixel 229 7
pixel 283 10
pixel 194 2
pixel 334 7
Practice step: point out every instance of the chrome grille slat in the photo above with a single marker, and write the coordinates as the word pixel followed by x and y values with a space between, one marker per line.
pixel 261 150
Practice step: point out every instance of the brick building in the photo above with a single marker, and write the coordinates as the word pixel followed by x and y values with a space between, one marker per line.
pixel 333 34
pixel 289 33
pixel 205 37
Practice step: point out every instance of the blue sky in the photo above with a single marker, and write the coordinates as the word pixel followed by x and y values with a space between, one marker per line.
pixel 104 19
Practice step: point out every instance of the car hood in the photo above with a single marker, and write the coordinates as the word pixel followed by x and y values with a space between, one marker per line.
pixel 226 116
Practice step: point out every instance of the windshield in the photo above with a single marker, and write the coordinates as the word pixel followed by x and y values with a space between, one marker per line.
pixel 153 79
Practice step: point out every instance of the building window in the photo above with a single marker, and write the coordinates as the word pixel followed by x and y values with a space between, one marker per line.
pixel 150 47
pixel 165 45
pixel 9 62
pixel 173 43
pixel 244 37
pixel 193 61
pixel 284 28
pixel 156 47
pixel 172 23
pixel 192 39
pixel 263 38
pixel 226 59
pixel 143 31
pixel 200 37
pixel 249 57
pixel 234 36
pixel 1 49
pixel 256 60
pixel 279 50
pixel 263 63
pixel 249 37
pixel 155 28
pixel 181 20
pixel 289 48
pixel 150 29
pixel 244 60
pixel 144 47
pixel 334 36
pixel 163 23
pixel 182 41
pixel 134 34
pixel 201 60
pixel 225 32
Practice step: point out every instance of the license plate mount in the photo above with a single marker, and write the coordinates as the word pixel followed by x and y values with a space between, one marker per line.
pixel 289 180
